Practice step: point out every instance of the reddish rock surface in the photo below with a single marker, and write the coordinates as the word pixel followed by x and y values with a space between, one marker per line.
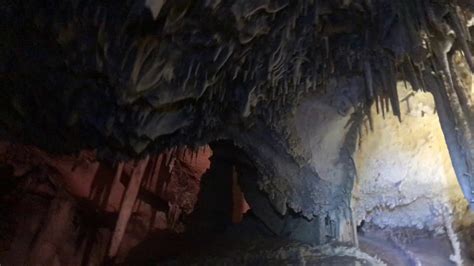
pixel 168 191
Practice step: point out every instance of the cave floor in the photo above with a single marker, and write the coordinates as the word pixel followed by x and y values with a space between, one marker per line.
pixel 426 251
pixel 245 244
pixel 274 251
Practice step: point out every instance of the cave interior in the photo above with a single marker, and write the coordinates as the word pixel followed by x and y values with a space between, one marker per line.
pixel 237 132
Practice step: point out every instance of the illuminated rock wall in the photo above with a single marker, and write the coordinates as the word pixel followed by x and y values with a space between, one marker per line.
pixel 404 170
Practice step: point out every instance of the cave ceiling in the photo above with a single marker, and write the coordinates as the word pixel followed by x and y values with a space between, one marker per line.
pixel 133 77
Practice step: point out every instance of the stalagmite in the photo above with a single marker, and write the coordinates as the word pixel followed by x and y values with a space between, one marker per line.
pixel 448 221
pixel 127 206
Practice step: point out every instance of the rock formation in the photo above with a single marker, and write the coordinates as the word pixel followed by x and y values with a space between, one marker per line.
pixel 99 96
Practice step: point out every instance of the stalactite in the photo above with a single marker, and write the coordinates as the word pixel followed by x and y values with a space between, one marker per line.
pixel 236 72
pixel 199 132
pixel 387 104
pixel 176 14
pixel 349 63
pixel 116 181
pixel 368 79
pixel 377 107
pixel 422 79
pixel 145 49
pixel 196 71
pixel 218 52
pixel 188 76
pixel 395 102
pixel 431 17
pixel 462 39
pixel 127 206
pixel 127 56
pixel 462 94
pixel 226 58
pixel 326 46
pixel 222 95
pixel 411 75
pixel 441 50
pixel 307 85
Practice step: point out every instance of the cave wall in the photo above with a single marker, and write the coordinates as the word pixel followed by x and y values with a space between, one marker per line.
pixel 326 130
pixel 74 202
pixel 404 173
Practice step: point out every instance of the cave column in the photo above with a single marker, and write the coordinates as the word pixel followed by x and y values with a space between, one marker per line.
pixel 116 182
pixel 347 228
pixel 455 117
pixel 127 206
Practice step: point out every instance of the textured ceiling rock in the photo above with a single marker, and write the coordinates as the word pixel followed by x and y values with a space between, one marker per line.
pixel 130 77
pixel 107 73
